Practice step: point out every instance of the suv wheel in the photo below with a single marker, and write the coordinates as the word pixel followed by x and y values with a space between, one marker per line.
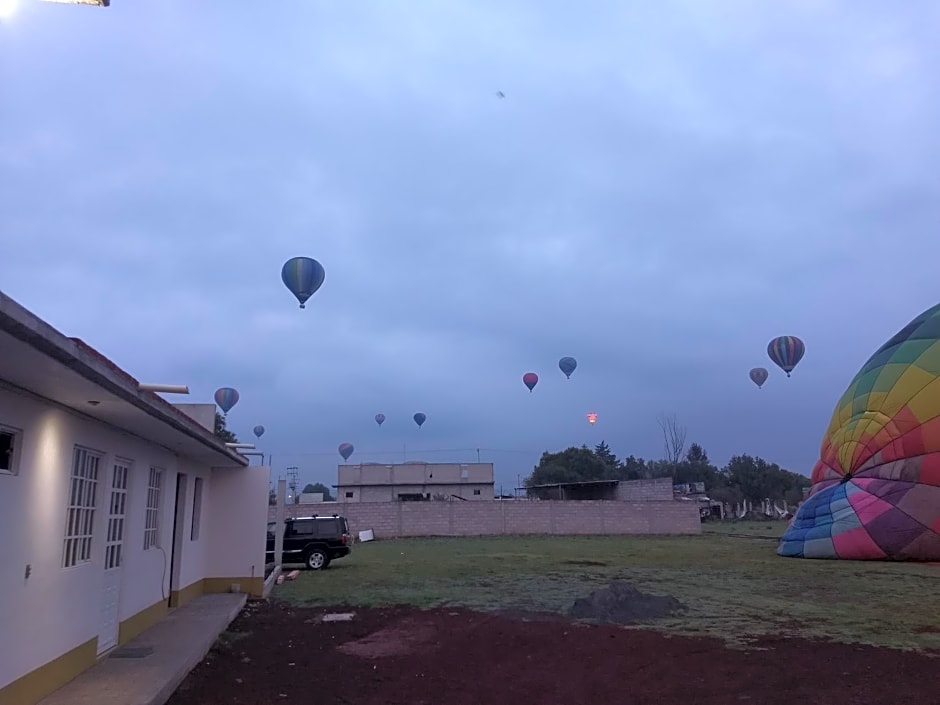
pixel 317 559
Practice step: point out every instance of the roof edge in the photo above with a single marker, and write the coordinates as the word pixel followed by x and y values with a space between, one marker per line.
pixel 95 367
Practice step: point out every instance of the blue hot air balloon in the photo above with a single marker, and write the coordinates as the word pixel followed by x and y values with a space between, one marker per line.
pixel 226 398
pixel 786 352
pixel 567 365
pixel 380 419
pixel 420 419
pixel 345 449
pixel 303 276
pixel 258 431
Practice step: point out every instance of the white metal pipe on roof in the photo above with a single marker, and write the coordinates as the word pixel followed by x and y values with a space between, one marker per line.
pixel 164 388
pixel 240 445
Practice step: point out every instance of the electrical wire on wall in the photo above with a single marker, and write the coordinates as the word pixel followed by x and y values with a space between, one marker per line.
pixel 163 577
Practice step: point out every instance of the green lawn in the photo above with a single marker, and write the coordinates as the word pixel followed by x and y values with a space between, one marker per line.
pixel 734 586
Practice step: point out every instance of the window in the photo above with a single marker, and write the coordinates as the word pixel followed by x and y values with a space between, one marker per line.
pixel 197 509
pixel 80 517
pixel 302 528
pixel 476 492
pixel 152 524
pixel 114 541
pixel 9 447
pixel 349 495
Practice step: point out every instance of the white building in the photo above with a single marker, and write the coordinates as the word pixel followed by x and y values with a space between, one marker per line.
pixel 115 507
pixel 415 481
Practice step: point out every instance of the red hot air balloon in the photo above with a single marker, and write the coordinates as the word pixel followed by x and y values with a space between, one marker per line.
pixel 530 379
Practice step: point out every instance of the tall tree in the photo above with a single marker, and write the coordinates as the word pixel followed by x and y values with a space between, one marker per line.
pixel 673 438
pixel 602 451
pixel 221 432
pixel 314 487
pixel 570 465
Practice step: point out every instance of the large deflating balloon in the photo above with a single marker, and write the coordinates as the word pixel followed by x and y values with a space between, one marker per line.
pixel 876 487
pixel 226 398
pixel 303 276
pixel 758 376
pixel 530 379
pixel 380 419
pixel 420 419
pixel 567 365
pixel 258 431
pixel 786 352
pixel 345 449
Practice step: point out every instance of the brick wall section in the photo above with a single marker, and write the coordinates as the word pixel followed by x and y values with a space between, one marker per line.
pixel 405 519
pixel 655 490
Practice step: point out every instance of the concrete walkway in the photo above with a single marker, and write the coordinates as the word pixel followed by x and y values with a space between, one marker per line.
pixel 148 669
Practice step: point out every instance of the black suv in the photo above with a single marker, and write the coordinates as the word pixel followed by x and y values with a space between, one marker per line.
pixel 313 541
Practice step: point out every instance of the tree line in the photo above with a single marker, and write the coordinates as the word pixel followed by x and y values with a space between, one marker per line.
pixel 744 477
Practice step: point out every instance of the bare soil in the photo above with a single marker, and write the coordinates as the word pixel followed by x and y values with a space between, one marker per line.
pixel 276 653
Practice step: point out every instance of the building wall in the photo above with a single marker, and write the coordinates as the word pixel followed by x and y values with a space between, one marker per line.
pixel 390 494
pixel 416 474
pixel 655 490
pixel 401 519
pixel 236 526
pixel 51 620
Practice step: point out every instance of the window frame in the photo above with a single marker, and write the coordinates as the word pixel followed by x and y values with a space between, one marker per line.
pixel 152 523
pixel 78 540
pixel 14 457
pixel 197 509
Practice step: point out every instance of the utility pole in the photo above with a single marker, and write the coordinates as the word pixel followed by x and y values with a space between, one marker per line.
pixel 478 456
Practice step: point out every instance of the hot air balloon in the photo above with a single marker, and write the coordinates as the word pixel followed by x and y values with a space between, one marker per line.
pixel 592 418
pixel 380 419
pixel 530 379
pixel 303 276
pixel 876 488
pixel 345 449
pixel 758 376
pixel 226 398
pixel 786 352
pixel 567 365
pixel 420 419
pixel 258 431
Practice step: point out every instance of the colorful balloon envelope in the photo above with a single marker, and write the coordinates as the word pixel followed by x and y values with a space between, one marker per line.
pixel 345 450
pixel 758 376
pixel 380 419
pixel 226 398
pixel 303 276
pixel 876 488
pixel 420 419
pixel 530 379
pixel 567 365
pixel 258 431
pixel 786 352
pixel 592 418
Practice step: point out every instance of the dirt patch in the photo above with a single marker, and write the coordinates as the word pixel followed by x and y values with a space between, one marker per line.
pixel 621 603
pixel 291 657
pixel 597 564
pixel 405 637
pixel 928 629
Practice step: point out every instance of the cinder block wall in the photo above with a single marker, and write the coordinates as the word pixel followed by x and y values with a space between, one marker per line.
pixel 655 490
pixel 401 519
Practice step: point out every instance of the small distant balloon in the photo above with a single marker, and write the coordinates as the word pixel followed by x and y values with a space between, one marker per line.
pixel 500 94
pixel 592 418
pixel 758 376
pixel 567 365
pixel 786 352
pixel 380 419
pixel 530 379
pixel 258 431
pixel 420 419
pixel 345 449
pixel 226 398
pixel 303 276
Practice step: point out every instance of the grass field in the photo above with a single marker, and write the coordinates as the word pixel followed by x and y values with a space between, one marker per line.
pixel 730 579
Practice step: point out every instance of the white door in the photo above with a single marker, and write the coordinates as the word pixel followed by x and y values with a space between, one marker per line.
pixel 113 558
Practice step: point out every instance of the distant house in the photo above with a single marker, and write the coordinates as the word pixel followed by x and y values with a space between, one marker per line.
pixel 115 507
pixel 415 482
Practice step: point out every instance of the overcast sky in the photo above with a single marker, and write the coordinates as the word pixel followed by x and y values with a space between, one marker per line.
pixel 664 188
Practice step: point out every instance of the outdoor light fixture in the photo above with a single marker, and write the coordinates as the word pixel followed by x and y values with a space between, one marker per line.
pixel 240 445
pixel 164 388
